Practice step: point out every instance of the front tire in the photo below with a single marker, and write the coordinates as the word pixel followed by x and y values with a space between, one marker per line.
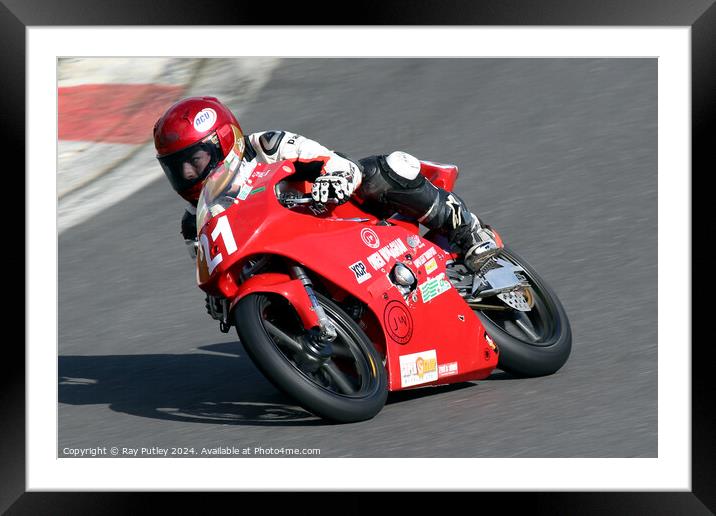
pixel 531 345
pixel 349 386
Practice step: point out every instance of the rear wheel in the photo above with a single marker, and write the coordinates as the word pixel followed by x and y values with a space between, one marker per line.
pixel 347 383
pixel 533 343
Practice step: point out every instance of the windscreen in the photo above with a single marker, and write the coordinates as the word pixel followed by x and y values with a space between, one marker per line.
pixel 221 190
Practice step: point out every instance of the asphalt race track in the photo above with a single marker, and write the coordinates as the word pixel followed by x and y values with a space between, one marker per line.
pixel 560 155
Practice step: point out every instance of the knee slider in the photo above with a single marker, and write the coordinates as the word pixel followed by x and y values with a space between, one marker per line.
pixel 403 166
pixel 400 186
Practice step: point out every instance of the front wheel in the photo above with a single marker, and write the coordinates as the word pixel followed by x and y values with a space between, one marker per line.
pixel 345 384
pixel 534 343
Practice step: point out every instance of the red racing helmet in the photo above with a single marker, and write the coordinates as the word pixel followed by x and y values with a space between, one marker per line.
pixel 192 137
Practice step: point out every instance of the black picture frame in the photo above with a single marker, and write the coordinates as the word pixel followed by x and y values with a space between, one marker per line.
pixel 17 15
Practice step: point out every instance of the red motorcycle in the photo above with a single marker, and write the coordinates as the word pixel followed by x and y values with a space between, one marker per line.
pixel 337 307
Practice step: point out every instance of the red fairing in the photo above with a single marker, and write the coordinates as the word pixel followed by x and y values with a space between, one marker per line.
pixel 439 174
pixel 429 336
pixel 498 238
pixel 283 285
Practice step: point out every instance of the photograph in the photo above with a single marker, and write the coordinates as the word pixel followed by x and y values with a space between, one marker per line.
pixel 428 249
pixel 431 259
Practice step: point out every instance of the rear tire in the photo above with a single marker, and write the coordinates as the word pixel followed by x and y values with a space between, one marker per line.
pixel 327 392
pixel 520 355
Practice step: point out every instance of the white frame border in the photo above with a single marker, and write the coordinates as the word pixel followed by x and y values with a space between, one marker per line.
pixel 670 471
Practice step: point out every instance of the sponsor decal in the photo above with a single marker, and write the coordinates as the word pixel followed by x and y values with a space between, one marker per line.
pixel 239 138
pixel 370 238
pixel 260 173
pixel 286 168
pixel 461 318
pixel 431 266
pixel 376 261
pixel 420 260
pixel 231 156
pixel 434 287
pixel 418 368
pixel 244 192
pixel 398 322
pixel 449 369
pixel 360 271
pixel 413 241
pixel 395 249
pixel 257 190
pixel 204 119
pixel 246 169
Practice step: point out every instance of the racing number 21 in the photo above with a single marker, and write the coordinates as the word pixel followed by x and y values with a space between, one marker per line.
pixel 222 229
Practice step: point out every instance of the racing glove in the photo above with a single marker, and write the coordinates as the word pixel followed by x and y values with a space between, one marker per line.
pixel 339 185
pixel 188 223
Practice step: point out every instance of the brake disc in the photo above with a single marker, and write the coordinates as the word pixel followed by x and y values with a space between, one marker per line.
pixel 516 299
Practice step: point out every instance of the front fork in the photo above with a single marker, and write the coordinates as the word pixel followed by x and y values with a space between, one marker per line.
pixel 297 289
pixel 218 308
pixel 327 331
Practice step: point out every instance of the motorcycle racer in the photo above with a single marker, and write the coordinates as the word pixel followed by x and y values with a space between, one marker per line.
pixel 196 134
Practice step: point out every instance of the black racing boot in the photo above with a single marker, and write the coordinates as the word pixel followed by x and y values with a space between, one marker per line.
pixel 480 244
pixel 466 233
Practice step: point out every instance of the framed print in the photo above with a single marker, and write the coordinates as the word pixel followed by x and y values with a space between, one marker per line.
pixel 574 132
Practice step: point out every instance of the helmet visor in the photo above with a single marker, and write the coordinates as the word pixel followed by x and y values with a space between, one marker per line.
pixel 191 165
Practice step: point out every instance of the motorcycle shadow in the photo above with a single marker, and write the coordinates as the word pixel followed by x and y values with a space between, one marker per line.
pixel 498 374
pixel 215 385
pixel 421 392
